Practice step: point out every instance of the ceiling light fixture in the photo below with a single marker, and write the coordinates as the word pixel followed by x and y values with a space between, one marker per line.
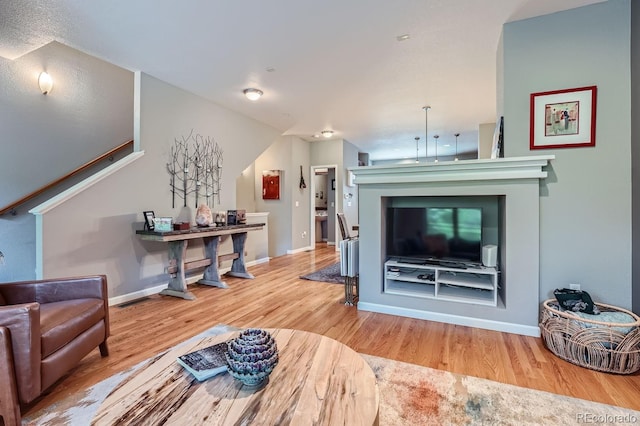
pixel 327 133
pixel 417 138
pixel 253 94
pixel 403 37
pixel 426 137
pixel 436 138
pixel 45 82
pixel 456 157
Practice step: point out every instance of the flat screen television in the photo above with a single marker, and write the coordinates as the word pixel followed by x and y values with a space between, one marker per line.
pixel 435 233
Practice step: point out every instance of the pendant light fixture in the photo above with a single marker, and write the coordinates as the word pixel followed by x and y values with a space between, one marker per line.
pixel 417 138
pixel 456 157
pixel 426 128
pixel 436 139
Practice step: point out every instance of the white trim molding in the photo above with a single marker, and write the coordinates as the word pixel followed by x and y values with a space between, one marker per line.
pixel 455 171
pixel 451 319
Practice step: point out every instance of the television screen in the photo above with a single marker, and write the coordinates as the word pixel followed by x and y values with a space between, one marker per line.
pixel 441 233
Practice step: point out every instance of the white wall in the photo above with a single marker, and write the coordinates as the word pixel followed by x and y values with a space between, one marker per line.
pixel 94 232
pixel 585 206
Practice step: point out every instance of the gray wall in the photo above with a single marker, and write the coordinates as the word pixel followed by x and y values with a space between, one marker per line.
pixel 343 155
pixel 287 221
pixel 301 206
pixel 585 208
pixel 635 150
pixel 88 112
pixel 518 309
pixel 94 232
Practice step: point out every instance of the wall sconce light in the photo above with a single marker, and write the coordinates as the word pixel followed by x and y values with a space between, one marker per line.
pixel 45 82
pixel 253 94
pixel 327 133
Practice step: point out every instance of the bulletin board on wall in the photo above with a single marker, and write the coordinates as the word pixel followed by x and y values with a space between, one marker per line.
pixel 271 184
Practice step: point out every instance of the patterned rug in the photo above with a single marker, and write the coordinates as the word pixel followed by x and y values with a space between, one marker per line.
pixel 330 274
pixel 409 395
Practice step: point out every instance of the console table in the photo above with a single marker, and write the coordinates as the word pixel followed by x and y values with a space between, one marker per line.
pixel 318 381
pixel 177 242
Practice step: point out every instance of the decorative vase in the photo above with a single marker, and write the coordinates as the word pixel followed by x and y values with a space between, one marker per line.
pixel 204 217
pixel 252 357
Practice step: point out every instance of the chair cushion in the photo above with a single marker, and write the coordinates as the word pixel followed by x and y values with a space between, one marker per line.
pixel 61 322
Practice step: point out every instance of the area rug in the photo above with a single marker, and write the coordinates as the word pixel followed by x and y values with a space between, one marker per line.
pixel 409 395
pixel 330 274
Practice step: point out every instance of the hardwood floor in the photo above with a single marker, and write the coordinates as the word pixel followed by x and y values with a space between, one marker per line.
pixel 278 298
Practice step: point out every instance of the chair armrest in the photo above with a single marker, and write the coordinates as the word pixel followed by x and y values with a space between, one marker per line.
pixel 23 323
pixel 56 290
pixel 9 403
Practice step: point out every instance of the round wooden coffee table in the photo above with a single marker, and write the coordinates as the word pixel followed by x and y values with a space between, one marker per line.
pixel 317 381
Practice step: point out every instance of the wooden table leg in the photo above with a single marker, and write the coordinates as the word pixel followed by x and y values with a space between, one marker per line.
pixel 177 284
pixel 238 268
pixel 211 275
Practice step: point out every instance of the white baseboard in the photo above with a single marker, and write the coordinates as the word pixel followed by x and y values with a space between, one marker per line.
pixel 119 300
pixel 300 250
pixel 258 261
pixel 525 330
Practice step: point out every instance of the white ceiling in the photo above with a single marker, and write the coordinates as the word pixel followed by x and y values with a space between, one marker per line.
pixel 330 64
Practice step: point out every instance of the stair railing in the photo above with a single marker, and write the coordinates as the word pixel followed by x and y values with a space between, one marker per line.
pixel 11 207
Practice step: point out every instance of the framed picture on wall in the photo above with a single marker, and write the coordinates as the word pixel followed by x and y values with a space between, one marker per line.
pixel 563 118
pixel 271 184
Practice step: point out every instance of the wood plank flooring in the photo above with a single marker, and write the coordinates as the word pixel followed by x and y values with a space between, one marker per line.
pixel 278 298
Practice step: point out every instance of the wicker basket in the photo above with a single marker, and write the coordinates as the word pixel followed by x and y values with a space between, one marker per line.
pixel 597 345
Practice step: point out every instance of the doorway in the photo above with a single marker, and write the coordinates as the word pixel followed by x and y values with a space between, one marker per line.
pixel 323 205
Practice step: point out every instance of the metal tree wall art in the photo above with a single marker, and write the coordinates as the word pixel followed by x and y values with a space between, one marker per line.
pixel 195 167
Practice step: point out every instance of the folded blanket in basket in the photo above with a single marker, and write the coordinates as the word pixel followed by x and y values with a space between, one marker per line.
pixel 608 317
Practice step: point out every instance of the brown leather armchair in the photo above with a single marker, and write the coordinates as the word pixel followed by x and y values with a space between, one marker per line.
pixel 46 328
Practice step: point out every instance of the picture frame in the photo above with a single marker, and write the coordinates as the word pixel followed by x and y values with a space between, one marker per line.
pixel 271 184
pixel 563 118
pixel 148 220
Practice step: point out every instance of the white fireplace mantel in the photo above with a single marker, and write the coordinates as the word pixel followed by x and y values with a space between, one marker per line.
pixel 515 184
pixel 455 171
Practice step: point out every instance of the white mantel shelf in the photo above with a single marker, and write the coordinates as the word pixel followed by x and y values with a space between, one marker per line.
pixel 455 171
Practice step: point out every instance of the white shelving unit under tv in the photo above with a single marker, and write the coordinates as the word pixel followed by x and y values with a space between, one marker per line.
pixel 471 284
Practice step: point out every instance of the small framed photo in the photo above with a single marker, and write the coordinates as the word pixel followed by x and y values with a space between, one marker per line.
pixel 563 118
pixel 148 220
